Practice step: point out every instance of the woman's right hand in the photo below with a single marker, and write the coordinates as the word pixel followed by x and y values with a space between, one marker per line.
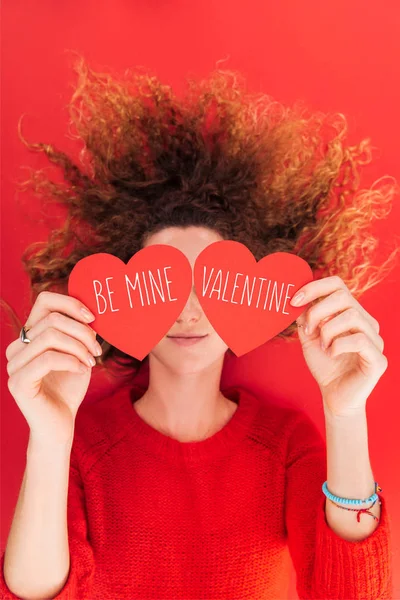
pixel 49 376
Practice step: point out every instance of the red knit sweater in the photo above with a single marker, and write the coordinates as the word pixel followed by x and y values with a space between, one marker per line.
pixel 152 517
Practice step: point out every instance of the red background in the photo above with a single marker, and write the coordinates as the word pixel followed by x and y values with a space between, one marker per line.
pixel 340 56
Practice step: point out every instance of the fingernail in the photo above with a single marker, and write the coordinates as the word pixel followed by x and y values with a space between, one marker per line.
pixel 297 299
pixel 91 360
pixel 88 316
pixel 97 349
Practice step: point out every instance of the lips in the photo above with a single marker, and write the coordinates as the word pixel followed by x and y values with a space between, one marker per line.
pixel 186 340
pixel 186 337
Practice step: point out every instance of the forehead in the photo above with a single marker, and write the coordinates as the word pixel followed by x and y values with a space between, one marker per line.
pixel 189 240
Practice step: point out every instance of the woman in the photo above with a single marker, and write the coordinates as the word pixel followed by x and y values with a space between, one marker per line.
pixel 180 489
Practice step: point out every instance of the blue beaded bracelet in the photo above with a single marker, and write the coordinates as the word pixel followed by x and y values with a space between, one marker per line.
pixel 372 498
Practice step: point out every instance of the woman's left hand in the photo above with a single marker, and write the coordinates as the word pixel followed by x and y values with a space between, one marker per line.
pixel 353 362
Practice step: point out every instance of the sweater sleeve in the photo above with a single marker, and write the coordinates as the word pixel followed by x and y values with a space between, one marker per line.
pixel 82 564
pixel 328 566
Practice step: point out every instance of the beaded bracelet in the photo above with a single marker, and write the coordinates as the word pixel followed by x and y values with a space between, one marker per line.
pixel 373 499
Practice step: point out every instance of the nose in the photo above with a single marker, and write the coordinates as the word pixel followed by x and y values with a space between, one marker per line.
pixel 192 311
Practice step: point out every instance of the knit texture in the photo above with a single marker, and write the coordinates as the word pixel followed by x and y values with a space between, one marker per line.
pixel 152 517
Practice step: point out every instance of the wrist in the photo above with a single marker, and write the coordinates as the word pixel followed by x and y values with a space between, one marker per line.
pixel 352 414
pixel 38 445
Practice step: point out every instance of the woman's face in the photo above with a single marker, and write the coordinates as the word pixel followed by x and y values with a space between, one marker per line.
pixel 192 320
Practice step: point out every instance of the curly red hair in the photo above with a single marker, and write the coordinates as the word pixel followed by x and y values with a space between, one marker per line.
pixel 272 177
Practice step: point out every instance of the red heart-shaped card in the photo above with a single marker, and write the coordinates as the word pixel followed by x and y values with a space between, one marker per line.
pixel 135 304
pixel 248 302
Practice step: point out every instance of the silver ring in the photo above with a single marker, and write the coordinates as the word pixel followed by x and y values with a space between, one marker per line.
pixel 23 336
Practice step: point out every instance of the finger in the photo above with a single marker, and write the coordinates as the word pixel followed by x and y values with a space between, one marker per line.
pixel 51 339
pixel 329 307
pixel 317 288
pixel 325 286
pixel 47 302
pixel 30 376
pixel 80 331
pixel 349 320
pixel 359 342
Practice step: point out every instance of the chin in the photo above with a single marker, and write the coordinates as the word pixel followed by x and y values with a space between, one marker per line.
pixel 187 359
